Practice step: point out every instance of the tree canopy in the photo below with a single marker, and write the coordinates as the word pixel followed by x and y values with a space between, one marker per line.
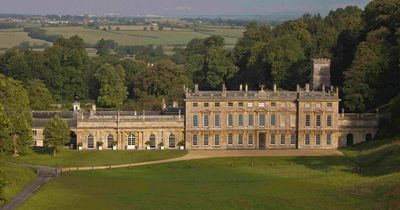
pixel 56 133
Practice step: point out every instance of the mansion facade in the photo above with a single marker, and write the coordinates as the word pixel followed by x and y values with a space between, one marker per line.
pixel 307 118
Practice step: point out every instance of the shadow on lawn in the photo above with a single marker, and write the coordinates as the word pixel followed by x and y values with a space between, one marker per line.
pixel 42 150
pixel 366 160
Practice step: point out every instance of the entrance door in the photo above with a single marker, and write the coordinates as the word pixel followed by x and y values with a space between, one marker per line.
pixel 72 140
pixel 261 141
pixel 349 139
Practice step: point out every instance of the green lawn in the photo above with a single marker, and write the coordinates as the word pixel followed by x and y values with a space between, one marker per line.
pixel 237 183
pixel 71 158
pixel 17 177
pixel 224 183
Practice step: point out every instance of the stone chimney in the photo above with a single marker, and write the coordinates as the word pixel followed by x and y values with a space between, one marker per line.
pixel 175 104
pixel 241 87
pixel 274 87
pixel 223 90
pixel 246 87
pixel 196 88
pixel 321 73
pixel 298 88
pixel 92 111
pixel 164 105
pixel 307 87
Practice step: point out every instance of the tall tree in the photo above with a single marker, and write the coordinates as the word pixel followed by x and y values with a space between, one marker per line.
pixel 105 47
pixel 15 101
pixel 164 79
pixel 113 91
pixel 56 133
pixel 3 183
pixel 39 96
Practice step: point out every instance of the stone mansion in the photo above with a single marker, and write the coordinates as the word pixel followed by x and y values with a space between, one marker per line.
pixel 307 118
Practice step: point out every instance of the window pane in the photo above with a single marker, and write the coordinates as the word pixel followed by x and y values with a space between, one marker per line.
pixel 250 139
pixel 318 120
pixel 205 139
pixel 195 122
pixel 216 120
pixel 328 139
pixel 262 120
pixel 318 139
pixel 251 120
pixel 230 138
pixel 308 120
pixel 307 139
pixel 230 120
pixel 283 139
pixel 273 120
pixel 293 138
pixel 205 120
pixel 194 140
pixel 240 120
pixel 216 140
pixel 329 120
pixel 272 138
pixel 240 138
pixel 172 141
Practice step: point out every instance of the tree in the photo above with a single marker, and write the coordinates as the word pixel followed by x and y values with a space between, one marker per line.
pixel 220 67
pixel 105 47
pixel 17 115
pixel 39 96
pixel 163 79
pixel 56 133
pixel 395 115
pixel 113 91
pixel 3 183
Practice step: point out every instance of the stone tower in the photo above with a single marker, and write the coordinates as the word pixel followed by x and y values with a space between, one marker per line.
pixel 321 74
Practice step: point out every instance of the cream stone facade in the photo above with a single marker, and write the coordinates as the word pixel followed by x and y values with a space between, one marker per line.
pixel 306 118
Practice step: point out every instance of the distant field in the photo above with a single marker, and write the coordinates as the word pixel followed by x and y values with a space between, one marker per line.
pixel 135 35
pixel 12 37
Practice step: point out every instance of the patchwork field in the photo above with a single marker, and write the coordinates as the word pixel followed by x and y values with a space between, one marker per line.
pixel 12 37
pixel 131 36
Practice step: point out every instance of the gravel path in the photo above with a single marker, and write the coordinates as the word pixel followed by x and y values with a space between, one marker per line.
pixel 44 175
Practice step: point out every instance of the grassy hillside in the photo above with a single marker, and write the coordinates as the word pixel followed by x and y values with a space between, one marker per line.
pixel 238 183
pixel 17 178
pixel 376 158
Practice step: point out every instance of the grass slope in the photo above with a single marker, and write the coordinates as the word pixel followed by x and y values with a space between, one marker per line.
pixel 71 158
pixel 236 183
pixel 17 177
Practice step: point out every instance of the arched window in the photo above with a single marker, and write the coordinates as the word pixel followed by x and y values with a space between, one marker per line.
pixel 90 141
pixel 172 141
pixel 349 139
pixel 368 137
pixel 152 140
pixel 131 140
pixel 110 140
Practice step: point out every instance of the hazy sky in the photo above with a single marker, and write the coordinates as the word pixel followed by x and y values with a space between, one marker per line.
pixel 173 7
